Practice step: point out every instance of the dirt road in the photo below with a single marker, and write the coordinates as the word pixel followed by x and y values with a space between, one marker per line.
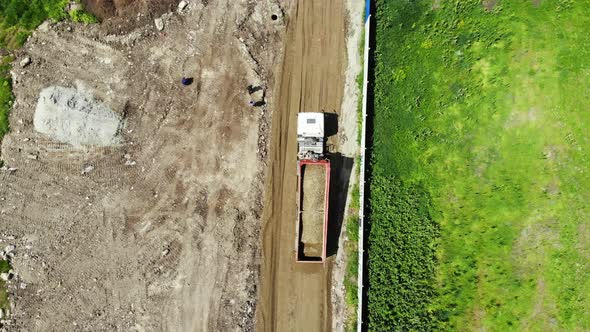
pixel 296 297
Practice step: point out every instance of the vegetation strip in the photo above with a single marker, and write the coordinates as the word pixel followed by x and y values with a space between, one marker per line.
pixel 480 166
pixel 358 193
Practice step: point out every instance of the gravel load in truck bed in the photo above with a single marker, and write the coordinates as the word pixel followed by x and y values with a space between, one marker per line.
pixel 312 216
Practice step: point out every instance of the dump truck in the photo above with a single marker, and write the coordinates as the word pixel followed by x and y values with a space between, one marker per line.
pixel 313 189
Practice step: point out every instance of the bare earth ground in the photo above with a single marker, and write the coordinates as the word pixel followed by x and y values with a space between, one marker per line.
pixel 297 296
pixel 162 231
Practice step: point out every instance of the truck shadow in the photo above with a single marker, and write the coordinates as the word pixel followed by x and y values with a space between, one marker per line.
pixel 341 168
pixel 330 124
pixel 370 125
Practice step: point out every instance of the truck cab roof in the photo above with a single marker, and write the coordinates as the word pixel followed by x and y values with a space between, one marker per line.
pixel 310 124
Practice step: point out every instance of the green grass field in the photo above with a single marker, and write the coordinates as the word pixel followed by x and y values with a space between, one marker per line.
pixel 481 172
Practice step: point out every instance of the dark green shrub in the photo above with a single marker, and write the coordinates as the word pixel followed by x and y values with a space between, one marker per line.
pixel 401 257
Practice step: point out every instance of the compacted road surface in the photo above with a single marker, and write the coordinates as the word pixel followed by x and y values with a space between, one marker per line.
pixel 296 297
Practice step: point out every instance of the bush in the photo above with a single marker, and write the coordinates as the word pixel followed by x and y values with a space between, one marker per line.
pixel 5 95
pixel 4 266
pixel 20 17
pixel 82 17
pixel 402 257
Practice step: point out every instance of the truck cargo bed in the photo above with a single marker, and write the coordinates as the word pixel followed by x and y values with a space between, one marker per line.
pixel 313 210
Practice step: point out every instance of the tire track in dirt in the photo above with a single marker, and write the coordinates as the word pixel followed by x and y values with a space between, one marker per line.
pixel 296 297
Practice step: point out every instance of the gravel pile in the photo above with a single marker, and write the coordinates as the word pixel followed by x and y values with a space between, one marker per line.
pixel 312 217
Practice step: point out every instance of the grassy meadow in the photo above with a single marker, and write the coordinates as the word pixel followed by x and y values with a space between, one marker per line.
pixel 481 166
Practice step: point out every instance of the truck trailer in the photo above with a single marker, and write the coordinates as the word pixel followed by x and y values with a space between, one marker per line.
pixel 313 189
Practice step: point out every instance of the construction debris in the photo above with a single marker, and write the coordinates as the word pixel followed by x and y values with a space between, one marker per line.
pixel 159 22
pixel 25 62
pixel 182 5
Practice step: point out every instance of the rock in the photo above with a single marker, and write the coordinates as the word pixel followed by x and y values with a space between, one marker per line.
pixel 88 169
pixel 4 276
pixel 159 24
pixel 130 163
pixel 25 62
pixel 33 156
pixel 44 27
pixel 182 5
pixel 73 116
pixel 74 6
pixel 9 248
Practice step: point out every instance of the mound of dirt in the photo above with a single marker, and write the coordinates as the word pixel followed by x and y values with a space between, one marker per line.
pixel 123 16
pixel 313 209
pixel 71 116
pixel 105 9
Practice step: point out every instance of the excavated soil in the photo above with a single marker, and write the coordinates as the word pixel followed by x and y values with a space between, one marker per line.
pixel 105 9
pixel 162 231
pixel 312 216
pixel 123 16
pixel 120 16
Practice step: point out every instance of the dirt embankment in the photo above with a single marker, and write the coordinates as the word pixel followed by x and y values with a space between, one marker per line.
pixel 161 230
pixel 106 9
pixel 342 313
pixel 119 16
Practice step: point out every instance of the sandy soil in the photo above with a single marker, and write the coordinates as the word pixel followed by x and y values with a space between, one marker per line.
pixel 312 214
pixel 296 296
pixel 160 233
pixel 349 147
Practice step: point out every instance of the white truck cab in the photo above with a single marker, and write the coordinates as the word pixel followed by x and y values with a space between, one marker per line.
pixel 310 135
